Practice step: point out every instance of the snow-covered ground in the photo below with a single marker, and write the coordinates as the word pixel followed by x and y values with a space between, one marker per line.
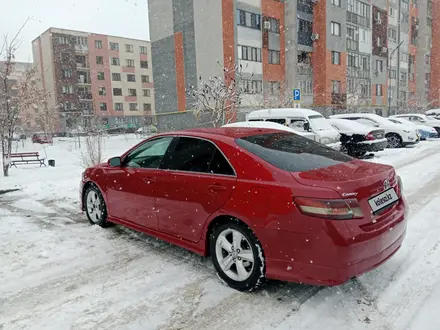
pixel 58 272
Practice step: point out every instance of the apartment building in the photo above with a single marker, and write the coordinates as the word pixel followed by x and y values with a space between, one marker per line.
pixel 91 74
pixel 362 55
pixel 28 117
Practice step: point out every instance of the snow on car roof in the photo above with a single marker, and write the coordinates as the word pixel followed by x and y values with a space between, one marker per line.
pixel 346 125
pixel 263 124
pixel 371 116
pixel 283 112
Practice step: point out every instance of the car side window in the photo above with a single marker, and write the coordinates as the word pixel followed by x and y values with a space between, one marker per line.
pixel 281 121
pixel 149 154
pixel 197 155
pixel 366 121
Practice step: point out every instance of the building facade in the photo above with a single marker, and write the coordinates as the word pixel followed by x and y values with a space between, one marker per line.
pixel 90 74
pixel 369 55
pixel 28 117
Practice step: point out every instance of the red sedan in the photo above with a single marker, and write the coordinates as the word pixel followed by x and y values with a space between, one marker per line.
pixel 263 203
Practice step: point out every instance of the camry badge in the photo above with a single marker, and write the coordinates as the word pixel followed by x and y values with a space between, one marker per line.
pixel 386 185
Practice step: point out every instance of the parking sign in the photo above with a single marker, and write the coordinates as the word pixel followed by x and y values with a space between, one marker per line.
pixel 297 94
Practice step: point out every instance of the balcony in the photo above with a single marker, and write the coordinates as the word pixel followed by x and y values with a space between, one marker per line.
pixel 357 19
pixel 352 45
pixel 305 69
pixel 305 6
pixel 82 65
pixel 339 98
pixel 84 81
pixel 85 96
pixel 357 73
pixel 81 48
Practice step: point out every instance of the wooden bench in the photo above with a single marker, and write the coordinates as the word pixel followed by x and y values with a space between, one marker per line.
pixel 27 158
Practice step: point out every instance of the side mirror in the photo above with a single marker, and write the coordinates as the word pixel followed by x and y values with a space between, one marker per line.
pixel 114 162
pixel 376 125
pixel 306 126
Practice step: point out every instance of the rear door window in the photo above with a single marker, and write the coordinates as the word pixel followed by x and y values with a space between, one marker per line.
pixel 281 121
pixel 291 152
pixel 197 155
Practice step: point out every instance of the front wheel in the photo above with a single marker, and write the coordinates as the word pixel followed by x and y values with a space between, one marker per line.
pixel 237 256
pixel 96 209
pixel 394 141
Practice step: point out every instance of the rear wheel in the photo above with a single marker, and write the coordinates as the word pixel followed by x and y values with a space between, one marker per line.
pixel 96 209
pixel 237 256
pixel 394 141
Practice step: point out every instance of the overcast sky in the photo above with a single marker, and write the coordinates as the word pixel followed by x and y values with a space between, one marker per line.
pixel 125 18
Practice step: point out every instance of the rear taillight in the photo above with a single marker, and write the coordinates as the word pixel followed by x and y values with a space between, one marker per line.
pixel 335 209
pixel 370 136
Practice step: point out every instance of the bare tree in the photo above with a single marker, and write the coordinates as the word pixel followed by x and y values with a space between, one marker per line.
pixel 46 119
pixel 15 97
pixel 218 97
pixel 280 97
pixel 358 94
pixel 93 153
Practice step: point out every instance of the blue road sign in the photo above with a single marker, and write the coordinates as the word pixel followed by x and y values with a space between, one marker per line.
pixel 297 94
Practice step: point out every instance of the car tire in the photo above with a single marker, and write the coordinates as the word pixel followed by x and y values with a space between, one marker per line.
pixel 95 207
pixel 237 256
pixel 394 141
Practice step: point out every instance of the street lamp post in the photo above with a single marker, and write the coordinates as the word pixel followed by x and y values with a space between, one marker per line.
pixel 389 75
pixel 399 21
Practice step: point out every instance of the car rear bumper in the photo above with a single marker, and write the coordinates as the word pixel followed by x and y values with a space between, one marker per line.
pixel 335 251
pixel 373 146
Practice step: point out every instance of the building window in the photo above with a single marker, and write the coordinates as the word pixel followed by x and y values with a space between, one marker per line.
pixel 103 106
pixel 379 65
pixel 336 29
pixel 116 76
pixel 130 63
pixel 115 61
pixel 144 64
pixel 363 36
pixel 99 60
pixel 249 53
pixel 143 50
pixel 129 48
pixel 98 44
pixel 117 91
pixel 147 106
pixel 392 34
pixel 131 77
pixel 101 91
pixel 379 41
pixel 145 79
pixel 146 92
pixel 336 86
pixel 67 73
pixel 393 74
pixel 274 25
pixel 114 46
pixel 379 91
pixel 306 87
pixel 67 89
pixel 133 106
pixel 336 3
pixel 251 86
pixel 132 92
pixel 65 57
pixel 392 12
pixel 248 19
pixel 101 76
pixel 274 87
pixel 63 40
pixel 119 106
pixel 336 57
pixel 274 56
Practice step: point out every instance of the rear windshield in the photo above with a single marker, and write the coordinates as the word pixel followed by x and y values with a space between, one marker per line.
pixel 291 152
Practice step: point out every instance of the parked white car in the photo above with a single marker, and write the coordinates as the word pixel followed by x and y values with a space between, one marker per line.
pixel 422 119
pixel 433 114
pixel 304 120
pixel 398 135
pixel 423 130
pixel 268 124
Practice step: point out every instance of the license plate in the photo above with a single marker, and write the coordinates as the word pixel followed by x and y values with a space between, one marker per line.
pixel 383 200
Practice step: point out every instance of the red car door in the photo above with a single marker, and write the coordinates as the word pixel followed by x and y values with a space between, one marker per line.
pixel 131 187
pixel 198 182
